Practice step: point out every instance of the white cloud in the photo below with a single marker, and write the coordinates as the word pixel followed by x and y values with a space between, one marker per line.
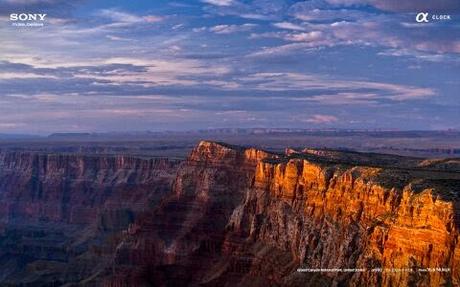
pixel 152 18
pixel 283 50
pixel 10 76
pixel 350 91
pixel 306 37
pixel 346 98
pixel 254 16
pixel 160 72
pixel 119 16
pixel 7 126
pixel 289 26
pixel 377 31
pixel 322 119
pixel 218 2
pixel 116 38
pixel 228 29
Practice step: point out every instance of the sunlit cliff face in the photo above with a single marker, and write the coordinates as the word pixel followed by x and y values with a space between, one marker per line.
pixel 258 217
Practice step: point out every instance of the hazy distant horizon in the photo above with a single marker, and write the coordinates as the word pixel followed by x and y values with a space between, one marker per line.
pixel 211 130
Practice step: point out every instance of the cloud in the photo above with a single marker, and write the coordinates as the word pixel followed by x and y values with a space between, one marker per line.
pixel 135 76
pixel 346 98
pixel 262 10
pixel 322 119
pixel 120 69
pixel 116 38
pixel 113 75
pixel 24 2
pixel 56 8
pixel 378 31
pixel 297 42
pixel 312 36
pixel 347 2
pixel 229 29
pixel 419 55
pixel 124 17
pixel 22 75
pixel 153 18
pixel 10 126
pixel 47 113
pixel 282 50
pixel 439 6
pixel 218 2
pixel 315 10
pixel 349 91
pixel 289 26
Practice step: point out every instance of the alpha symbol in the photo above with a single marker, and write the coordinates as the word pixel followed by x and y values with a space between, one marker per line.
pixel 422 17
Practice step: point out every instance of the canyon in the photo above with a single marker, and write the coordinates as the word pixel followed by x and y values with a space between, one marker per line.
pixel 60 213
pixel 229 216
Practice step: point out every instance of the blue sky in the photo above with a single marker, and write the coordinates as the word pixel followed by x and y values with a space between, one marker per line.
pixel 178 65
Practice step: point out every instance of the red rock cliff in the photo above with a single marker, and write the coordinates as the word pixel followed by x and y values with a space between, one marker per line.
pixel 336 215
pixel 76 188
pixel 244 217
pixel 61 214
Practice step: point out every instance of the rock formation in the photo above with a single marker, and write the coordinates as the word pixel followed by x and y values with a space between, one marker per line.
pixel 243 217
pixel 233 216
pixel 60 213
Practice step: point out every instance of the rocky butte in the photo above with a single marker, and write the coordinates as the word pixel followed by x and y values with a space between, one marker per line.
pixel 234 216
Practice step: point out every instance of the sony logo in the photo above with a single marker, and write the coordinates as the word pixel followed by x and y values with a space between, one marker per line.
pixel 27 17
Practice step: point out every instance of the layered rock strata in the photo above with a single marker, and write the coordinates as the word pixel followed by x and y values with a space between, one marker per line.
pixel 229 216
pixel 245 217
pixel 61 214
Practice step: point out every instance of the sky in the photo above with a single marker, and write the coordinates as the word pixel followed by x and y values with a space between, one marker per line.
pixel 108 66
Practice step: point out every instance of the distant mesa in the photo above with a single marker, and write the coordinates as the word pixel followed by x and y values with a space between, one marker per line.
pixel 70 135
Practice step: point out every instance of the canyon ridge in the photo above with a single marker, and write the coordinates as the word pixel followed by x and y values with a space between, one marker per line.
pixel 229 216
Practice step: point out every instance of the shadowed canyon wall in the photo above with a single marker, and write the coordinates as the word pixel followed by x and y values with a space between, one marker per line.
pixel 60 213
pixel 77 188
